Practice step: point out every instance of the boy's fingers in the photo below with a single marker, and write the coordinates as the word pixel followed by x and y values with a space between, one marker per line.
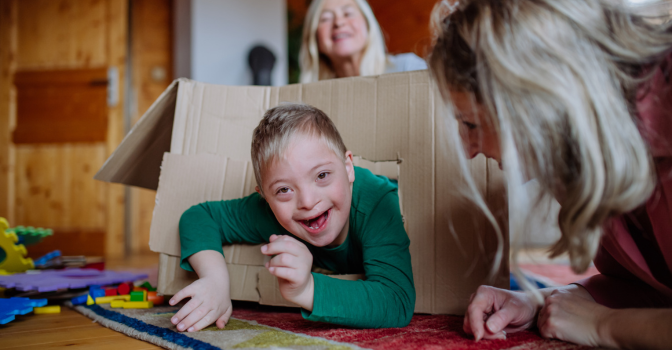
pixel 283 260
pixel 183 293
pixel 184 311
pixel 192 318
pixel 283 272
pixel 283 246
pixel 224 319
pixel 203 322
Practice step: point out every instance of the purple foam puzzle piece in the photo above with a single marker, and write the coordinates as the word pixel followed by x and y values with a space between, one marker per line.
pixel 51 280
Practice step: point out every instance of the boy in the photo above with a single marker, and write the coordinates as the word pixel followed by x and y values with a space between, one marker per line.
pixel 310 209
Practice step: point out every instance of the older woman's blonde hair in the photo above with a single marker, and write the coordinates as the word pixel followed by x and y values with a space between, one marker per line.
pixel 559 80
pixel 316 66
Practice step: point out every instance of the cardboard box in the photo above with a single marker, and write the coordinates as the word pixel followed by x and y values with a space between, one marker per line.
pixel 193 144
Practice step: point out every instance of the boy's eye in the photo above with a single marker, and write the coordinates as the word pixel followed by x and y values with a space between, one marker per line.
pixel 321 176
pixel 283 190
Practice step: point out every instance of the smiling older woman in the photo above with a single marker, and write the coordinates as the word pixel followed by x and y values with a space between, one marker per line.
pixel 341 38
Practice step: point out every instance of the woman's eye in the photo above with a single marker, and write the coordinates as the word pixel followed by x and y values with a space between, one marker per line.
pixel 321 176
pixel 325 18
pixel 470 126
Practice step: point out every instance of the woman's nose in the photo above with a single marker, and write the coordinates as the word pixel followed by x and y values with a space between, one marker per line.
pixel 339 21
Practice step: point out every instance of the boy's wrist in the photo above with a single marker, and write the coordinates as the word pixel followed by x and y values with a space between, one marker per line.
pixel 307 296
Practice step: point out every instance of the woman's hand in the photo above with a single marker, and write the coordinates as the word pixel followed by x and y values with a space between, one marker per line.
pixel 574 317
pixel 291 264
pixel 210 298
pixel 492 312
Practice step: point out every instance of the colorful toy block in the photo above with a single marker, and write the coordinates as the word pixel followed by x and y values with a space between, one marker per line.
pixel 97 293
pixel 124 288
pixel 89 300
pixel 138 305
pixel 17 306
pixel 14 259
pixel 107 300
pixel 79 300
pixel 139 296
pixel 30 235
pixel 148 286
pixel 117 304
pixel 46 258
pixel 155 298
pixel 53 309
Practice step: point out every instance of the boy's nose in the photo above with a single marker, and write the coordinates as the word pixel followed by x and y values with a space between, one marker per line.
pixel 307 200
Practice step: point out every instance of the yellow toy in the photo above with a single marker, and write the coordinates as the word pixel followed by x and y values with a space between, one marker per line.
pixel 53 309
pixel 15 254
pixel 107 300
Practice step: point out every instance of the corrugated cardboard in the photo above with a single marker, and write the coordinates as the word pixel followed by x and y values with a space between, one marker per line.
pixel 390 121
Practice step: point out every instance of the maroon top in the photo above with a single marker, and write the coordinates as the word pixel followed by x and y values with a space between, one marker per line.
pixel 635 254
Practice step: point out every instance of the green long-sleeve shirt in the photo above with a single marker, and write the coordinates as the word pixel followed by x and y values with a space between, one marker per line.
pixel 376 245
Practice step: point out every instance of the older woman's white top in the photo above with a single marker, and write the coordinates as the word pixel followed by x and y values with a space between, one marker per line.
pixel 404 62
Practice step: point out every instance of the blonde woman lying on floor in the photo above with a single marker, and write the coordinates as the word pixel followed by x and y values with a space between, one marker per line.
pixel 577 95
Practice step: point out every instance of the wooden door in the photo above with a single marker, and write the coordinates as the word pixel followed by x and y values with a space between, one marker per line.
pixel 50 184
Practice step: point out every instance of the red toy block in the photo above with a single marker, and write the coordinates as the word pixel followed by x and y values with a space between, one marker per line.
pixel 124 288
pixel 110 292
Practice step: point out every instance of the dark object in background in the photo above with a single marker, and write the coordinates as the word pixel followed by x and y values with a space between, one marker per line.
pixel 261 61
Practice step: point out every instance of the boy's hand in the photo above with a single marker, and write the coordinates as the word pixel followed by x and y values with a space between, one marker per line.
pixel 291 264
pixel 210 298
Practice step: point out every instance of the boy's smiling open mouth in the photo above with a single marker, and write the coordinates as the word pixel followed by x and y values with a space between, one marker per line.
pixel 316 224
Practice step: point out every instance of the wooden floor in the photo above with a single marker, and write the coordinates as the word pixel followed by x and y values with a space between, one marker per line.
pixel 70 329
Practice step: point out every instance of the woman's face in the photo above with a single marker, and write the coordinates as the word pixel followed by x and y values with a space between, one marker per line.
pixel 477 133
pixel 342 31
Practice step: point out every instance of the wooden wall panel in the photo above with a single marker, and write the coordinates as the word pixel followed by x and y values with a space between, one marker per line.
pixel 65 33
pixel 116 39
pixel 55 187
pixel 53 183
pixel 405 24
pixel 152 73
pixel 8 15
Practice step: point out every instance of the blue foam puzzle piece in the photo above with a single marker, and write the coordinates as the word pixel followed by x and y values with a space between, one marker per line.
pixel 18 306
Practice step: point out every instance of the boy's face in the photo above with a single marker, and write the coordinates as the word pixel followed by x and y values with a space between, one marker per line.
pixel 309 191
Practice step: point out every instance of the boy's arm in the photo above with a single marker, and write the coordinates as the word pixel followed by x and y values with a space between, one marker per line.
pixel 387 297
pixel 210 300
pixel 209 225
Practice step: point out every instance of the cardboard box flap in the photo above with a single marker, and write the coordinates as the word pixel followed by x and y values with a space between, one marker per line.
pixel 137 160
pixel 210 178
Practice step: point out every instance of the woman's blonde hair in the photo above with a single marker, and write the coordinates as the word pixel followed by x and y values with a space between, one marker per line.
pixel 316 66
pixel 558 79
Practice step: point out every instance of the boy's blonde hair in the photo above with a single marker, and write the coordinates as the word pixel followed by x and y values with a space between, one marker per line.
pixel 315 66
pixel 277 129
pixel 558 79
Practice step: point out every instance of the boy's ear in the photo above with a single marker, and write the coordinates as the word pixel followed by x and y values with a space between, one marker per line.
pixel 349 167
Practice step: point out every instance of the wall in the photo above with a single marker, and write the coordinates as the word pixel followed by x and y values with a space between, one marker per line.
pixel 152 72
pixel 223 32
pixel 51 184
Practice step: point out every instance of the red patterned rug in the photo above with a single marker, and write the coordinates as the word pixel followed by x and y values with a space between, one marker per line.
pixel 425 332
